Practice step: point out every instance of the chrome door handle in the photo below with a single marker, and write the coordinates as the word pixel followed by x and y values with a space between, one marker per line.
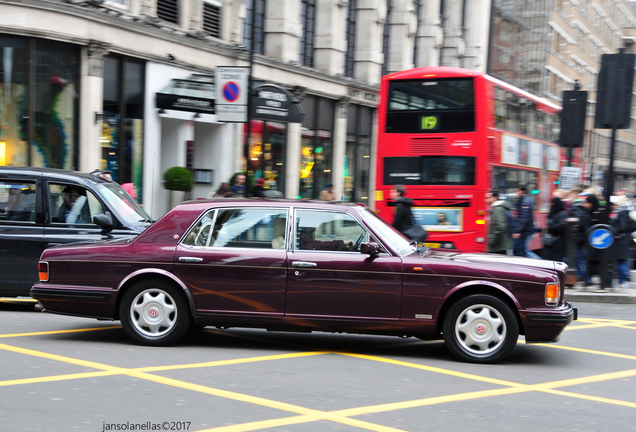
pixel 304 264
pixel 190 259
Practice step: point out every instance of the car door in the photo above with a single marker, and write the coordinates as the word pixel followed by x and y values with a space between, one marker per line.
pixel 21 231
pixel 69 215
pixel 326 280
pixel 234 261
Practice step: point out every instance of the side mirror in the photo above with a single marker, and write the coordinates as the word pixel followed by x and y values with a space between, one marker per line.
pixel 105 221
pixel 370 248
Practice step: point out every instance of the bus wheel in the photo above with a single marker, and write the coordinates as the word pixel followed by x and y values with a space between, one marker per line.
pixel 480 329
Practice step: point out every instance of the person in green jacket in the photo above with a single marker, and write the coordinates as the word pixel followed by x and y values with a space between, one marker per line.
pixel 498 235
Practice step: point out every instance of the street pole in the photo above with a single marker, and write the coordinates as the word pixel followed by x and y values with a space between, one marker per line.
pixel 250 84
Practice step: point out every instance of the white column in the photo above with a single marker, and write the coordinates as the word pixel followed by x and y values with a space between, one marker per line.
pixel 292 161
pixel 369 30
pixel 283 30
pixel 430 34
pixel 339 147
pixel 330 43
pixel 91 103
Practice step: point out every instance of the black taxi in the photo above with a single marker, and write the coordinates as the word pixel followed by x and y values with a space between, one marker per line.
pixel 42 207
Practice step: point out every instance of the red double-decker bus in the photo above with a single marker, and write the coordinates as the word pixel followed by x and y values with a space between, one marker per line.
pixel 449 135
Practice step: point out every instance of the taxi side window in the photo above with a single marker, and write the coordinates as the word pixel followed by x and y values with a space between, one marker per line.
pixel 71 204
pixel 17 201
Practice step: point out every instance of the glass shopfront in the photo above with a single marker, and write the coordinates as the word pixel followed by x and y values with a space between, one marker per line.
pixel 267 153
pixel 316 151
pixel 357 166
pixel 122 121
pixel 39 100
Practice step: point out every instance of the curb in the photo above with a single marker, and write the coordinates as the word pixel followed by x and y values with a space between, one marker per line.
pixel 613 295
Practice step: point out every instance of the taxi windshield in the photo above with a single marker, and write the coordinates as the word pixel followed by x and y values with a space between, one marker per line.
pixel 128 210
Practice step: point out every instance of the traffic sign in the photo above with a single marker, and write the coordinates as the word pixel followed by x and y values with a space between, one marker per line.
pixel 231 93
pixel 601 236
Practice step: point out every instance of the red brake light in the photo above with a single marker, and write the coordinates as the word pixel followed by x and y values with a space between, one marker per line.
pixel 43 271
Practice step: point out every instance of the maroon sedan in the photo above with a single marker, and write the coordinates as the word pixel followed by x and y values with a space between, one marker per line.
pixel 303 266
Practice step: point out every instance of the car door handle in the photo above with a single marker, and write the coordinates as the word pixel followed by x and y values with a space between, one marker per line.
pixel 190 259
pixel 304 264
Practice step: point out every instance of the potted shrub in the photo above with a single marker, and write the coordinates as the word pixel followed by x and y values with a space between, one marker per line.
pixel 178 179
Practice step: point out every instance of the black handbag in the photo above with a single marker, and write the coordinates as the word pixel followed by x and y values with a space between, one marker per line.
pixel 416 232
pixel 548 239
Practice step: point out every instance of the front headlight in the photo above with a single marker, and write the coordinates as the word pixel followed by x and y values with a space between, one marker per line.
pixel 552 293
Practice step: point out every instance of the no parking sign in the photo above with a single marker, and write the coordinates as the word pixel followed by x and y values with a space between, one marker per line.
pixel 231 93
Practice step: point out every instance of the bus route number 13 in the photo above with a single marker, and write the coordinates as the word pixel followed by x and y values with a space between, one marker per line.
pixel 429 122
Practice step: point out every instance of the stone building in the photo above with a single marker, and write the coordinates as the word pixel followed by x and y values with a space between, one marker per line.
pixel 85 85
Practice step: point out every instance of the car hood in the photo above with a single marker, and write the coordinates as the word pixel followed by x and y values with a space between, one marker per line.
pixel 504 263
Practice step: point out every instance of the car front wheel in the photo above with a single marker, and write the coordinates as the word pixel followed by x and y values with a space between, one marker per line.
pixel 481 329
pixel 154 313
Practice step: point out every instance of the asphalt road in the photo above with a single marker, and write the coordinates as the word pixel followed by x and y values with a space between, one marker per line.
pixel 72 374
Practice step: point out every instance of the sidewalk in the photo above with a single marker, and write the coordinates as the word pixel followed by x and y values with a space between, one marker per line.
pixel 625 295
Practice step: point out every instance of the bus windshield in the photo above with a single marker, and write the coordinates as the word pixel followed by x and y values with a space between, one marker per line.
pixel 430 170
pixel 431 106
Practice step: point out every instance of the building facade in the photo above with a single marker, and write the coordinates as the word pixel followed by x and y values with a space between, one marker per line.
pixel 549 46
pixel 81 80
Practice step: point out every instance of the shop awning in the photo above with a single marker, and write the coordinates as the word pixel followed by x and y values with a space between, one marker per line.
pixel 194 94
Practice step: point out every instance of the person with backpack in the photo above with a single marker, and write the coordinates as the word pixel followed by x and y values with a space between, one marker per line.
pixel 500 223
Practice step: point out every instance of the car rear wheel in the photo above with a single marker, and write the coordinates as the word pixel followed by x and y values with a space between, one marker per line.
pixel 481 329
pixel 154 313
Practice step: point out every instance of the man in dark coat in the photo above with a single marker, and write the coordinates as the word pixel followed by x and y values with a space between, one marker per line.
pixel 524 225
pixel 624 225
pixel 558 229
pixel 403 216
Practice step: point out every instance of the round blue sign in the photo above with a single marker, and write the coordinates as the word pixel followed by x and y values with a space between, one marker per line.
pixel 601 238
pixel 231 91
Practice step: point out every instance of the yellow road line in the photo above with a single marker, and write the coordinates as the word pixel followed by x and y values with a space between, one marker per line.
pixel 52 332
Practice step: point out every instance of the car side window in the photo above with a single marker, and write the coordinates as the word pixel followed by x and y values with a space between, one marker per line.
pixel 17 201
pixel 71 204
pixel 327 230
pixel 241 228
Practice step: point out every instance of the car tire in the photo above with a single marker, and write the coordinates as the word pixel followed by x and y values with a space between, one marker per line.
pixel 480 328
pixel 154 312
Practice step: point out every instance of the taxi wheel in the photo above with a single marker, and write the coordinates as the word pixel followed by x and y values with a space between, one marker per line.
pixel 480 329
pixel 154 312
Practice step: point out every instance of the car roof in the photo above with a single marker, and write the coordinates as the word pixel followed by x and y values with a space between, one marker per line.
pixel 57 174
pixel 270 202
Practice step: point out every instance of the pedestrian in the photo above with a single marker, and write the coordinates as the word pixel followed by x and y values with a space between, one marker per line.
pixel 224 191
pixel 404 221
pixel 273 191
pixel 327 193
pixel 579 213
pixel 259 189
pixel 523 224
pixel 593 256
pixel 557 230
pixel 131 189
pixel 624 226
pixel 239 185
pixel 499 241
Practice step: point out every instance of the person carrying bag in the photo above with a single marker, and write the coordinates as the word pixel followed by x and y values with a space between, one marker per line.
pixel 404 221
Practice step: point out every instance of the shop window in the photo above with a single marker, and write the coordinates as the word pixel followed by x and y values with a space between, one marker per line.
pixel 38 103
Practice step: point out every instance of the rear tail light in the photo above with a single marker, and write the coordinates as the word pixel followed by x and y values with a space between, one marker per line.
pixel 43 271
pixel 552 293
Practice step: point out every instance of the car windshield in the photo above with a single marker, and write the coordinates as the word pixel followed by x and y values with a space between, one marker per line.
pixel 390 235
pixel 128 210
